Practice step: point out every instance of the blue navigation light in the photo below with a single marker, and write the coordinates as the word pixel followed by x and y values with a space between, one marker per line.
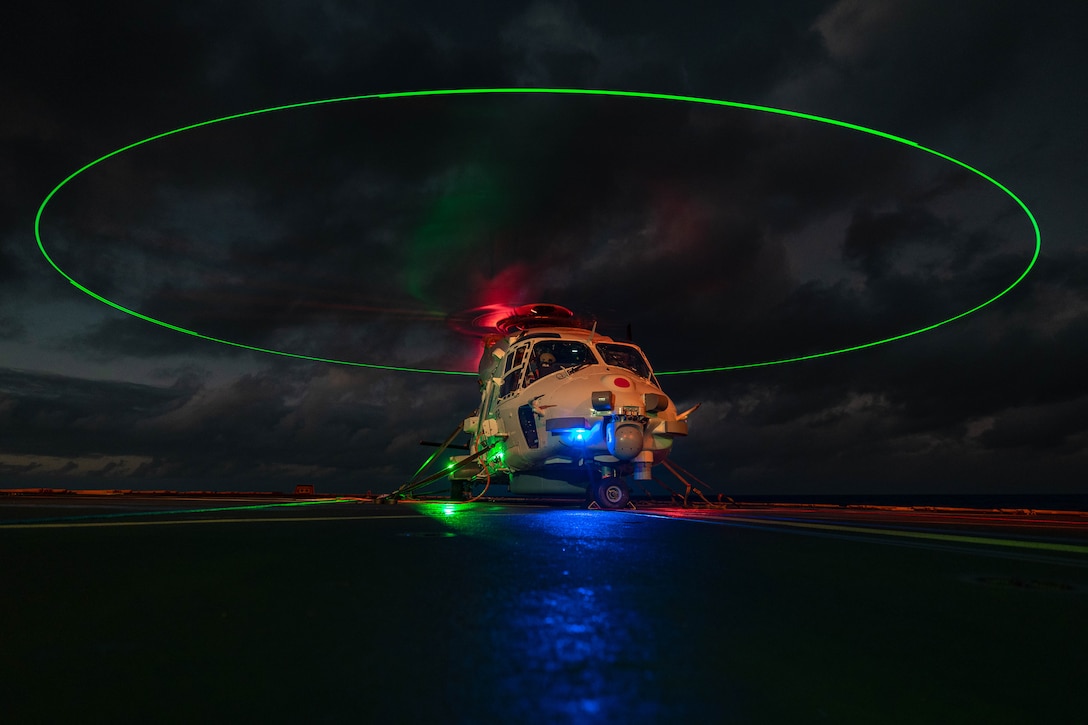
pixel 578 436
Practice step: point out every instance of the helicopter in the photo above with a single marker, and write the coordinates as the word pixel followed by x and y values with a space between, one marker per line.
pixel 563 410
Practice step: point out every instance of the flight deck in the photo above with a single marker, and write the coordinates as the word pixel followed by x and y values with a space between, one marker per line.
pixel 276 608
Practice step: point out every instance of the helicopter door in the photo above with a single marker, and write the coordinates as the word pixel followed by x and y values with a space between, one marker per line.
pixel 487 400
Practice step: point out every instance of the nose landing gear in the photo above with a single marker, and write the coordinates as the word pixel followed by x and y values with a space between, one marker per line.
pixel 610 493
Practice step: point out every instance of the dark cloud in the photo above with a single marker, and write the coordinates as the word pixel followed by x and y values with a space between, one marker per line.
pixel 1057 427
pixel 336 426
pixel 11 327
pixel 719 236
pixel 59 416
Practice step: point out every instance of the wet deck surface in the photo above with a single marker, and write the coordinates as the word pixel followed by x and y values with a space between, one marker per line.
pixel 176 609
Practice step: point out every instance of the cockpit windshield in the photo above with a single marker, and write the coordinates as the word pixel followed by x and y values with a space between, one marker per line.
pixel 551 356
pixel 624 356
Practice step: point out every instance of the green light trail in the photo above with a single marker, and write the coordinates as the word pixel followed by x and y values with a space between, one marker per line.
pixel 546 91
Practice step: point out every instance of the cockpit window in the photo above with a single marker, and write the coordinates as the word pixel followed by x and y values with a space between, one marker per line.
pixel 516 357
pixel 514 369
pixel 624 356
pixel 551 356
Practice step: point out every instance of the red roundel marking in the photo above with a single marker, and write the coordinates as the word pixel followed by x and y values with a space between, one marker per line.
pixel 622 383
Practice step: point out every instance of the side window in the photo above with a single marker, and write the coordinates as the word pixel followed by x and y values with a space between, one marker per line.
pixel 515 363
pixel 515 358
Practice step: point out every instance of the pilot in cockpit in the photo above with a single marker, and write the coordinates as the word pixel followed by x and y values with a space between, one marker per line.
pixel 548 364
pixel 543 364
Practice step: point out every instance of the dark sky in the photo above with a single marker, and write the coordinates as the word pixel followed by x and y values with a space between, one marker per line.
pixel 722 236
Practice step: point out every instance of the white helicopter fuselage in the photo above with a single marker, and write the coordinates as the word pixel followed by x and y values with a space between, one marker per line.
pixel 565 410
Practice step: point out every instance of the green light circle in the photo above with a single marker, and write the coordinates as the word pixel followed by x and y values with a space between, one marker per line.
pixel 553 91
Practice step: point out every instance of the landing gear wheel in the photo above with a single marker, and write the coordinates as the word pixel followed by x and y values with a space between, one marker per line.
pixel 611 493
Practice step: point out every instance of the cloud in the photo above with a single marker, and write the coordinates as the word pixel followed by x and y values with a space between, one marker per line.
pixel 1059 426
pixel 556 48
pixel 720 235
pixel 336 425
pixel 11 328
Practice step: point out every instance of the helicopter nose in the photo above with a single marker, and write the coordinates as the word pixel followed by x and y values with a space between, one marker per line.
pixel 624 439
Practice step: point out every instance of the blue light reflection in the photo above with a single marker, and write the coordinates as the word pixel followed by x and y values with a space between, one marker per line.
pixel 559 599
pixel 577 640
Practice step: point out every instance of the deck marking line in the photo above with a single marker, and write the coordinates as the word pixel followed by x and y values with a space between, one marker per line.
pixel 176 522
pixel 954 538
pixel 178 512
